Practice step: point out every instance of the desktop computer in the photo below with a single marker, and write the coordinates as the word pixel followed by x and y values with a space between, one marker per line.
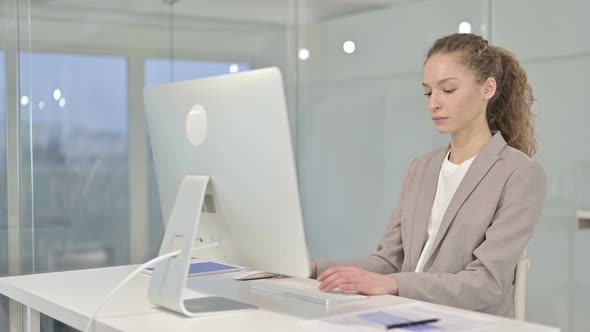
pixel 226 176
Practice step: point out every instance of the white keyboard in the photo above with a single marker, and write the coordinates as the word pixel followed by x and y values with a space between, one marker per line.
pixel 306 290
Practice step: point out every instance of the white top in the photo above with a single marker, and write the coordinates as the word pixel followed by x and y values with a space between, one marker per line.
pixel 449 178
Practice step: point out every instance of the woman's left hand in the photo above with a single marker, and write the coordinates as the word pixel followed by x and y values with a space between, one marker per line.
pixel 351 278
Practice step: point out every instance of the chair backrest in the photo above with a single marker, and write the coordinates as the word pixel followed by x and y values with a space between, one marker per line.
pixel 520 285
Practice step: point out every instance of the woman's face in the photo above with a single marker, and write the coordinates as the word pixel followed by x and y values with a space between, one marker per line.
pixel 455 100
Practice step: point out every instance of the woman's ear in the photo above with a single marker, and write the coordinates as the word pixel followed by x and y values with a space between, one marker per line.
pixel 489 88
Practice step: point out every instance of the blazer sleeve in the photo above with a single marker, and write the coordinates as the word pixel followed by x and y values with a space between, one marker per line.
pixel 490 275
pixel 389 255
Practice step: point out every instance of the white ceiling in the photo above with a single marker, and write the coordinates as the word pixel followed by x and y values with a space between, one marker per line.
pixel 254 11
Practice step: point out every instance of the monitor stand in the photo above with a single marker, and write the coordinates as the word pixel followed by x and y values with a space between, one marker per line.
pixel 169 277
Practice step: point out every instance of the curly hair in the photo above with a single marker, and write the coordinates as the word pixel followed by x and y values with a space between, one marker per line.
pixel 509 110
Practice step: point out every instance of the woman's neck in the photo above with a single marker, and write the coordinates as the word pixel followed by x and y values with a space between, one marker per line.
pixel 466 144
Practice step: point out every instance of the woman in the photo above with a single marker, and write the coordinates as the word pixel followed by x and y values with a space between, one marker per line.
pixel 466 211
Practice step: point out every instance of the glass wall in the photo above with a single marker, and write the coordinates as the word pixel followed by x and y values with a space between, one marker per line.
pixel 73 136
pixel 3 185
pixel 3 194
pixel 79 152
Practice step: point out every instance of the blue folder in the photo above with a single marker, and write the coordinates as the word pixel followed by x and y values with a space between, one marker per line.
pixel 200 267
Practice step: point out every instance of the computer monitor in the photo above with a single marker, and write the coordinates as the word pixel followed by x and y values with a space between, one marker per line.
pixel 221 145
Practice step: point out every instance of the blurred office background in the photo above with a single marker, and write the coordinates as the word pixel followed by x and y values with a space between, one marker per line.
pixel 77 186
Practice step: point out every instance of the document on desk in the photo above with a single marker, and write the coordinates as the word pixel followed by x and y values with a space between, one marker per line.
pixel 379 319
pixel 202 267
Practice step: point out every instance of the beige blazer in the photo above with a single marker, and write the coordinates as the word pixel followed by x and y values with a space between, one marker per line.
pixel 486 226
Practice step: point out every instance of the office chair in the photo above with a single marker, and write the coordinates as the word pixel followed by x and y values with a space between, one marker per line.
pixel 520 285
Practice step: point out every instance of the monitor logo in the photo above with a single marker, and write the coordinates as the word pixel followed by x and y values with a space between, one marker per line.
pixel 196 125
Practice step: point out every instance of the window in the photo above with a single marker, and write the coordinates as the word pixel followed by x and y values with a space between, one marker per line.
pixel 80 173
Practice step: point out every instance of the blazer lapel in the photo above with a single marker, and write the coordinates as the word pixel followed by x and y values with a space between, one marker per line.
pixel 480 167
pixel 424 206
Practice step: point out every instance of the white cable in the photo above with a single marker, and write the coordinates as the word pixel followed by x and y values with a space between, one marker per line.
pixel 122 283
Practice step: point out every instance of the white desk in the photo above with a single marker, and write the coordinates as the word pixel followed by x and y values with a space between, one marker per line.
pixel 71 297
